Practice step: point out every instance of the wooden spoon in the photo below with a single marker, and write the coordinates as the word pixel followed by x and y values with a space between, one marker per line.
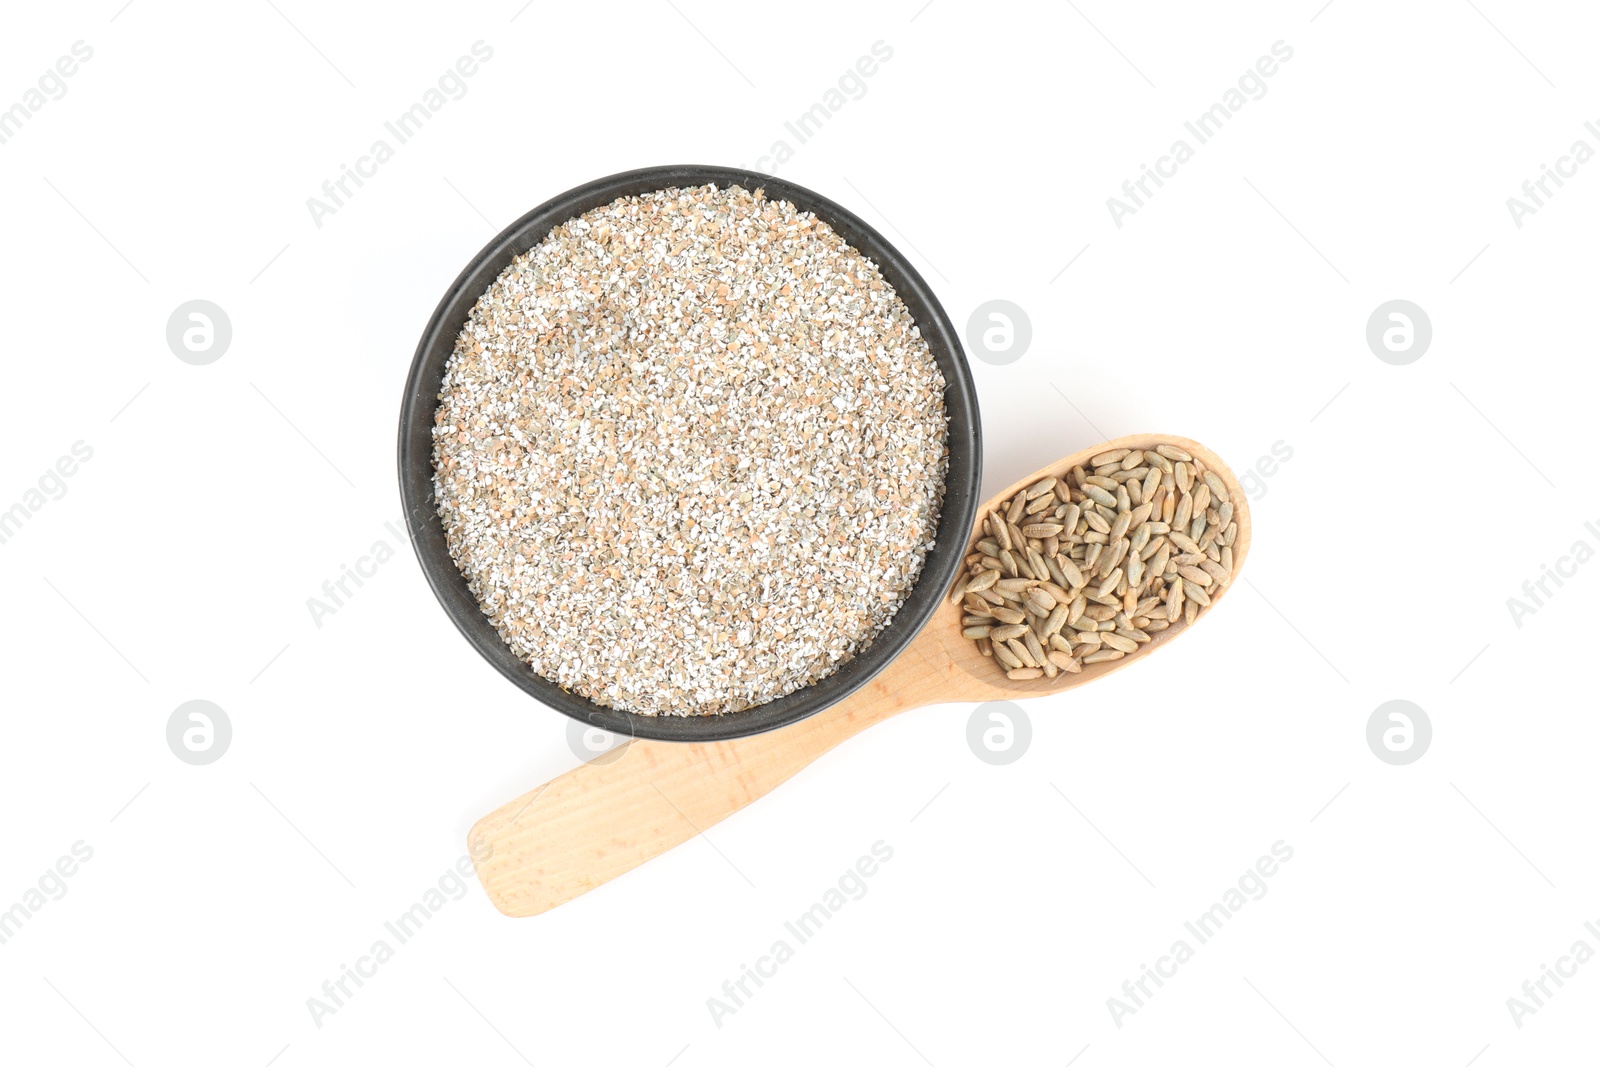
pixel 605 818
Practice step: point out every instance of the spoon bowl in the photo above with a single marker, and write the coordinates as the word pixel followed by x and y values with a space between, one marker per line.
pixel 977 677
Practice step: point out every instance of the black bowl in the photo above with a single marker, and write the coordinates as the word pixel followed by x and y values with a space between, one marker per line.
pixel 427 531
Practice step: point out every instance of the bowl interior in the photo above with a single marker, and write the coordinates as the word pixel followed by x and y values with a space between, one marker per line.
pixel 450 586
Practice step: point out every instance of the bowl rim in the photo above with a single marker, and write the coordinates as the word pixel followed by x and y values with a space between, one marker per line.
pixel 449 585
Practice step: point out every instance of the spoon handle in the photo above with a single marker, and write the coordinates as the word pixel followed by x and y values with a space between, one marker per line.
pixel 603 819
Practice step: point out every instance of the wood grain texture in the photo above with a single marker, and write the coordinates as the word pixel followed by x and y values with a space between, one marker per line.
pixel 603 819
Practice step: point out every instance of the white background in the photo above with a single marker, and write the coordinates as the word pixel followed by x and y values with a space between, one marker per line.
pixel 1232 309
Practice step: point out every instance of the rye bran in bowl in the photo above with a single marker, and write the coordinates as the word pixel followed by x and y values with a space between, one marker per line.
pixel 689 453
